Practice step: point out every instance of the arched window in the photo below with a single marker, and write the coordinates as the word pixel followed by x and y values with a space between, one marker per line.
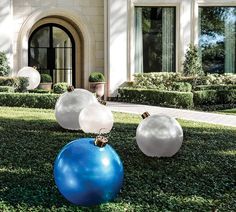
pixel 51 50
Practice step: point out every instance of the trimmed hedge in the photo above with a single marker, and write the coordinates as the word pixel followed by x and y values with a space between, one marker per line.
pixel 19 83
pixel 46 101
pixel 214 97
pixel 7 89
pixel 155 97
pixel 214 87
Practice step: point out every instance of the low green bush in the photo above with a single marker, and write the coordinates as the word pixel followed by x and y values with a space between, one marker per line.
pixel 214 87
pixel 7 89
pixel 155 97
pixel 39 91
pixel 60 87
pixel 31 100
pixel 181 86
pixel 19 83
pixel 96 77
pixel 214 97
pixel 45 78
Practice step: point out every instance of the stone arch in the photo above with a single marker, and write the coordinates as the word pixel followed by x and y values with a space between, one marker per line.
pixel 75 19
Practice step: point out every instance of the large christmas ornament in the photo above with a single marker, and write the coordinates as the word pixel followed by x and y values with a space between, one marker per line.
pixel 88 172
pixel 159 135
pixel 69 106
pixel 32 75
pixel 96 118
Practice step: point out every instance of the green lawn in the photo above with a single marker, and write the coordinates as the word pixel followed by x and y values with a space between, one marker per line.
pixel 201 177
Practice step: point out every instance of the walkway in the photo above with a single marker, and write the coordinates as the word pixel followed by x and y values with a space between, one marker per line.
pixel 213 118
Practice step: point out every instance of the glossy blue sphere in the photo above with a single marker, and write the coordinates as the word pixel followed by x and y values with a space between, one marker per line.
pixel 86 174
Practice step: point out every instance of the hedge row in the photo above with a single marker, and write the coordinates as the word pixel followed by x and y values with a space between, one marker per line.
pixel 7 89
pixel 46 101
pixel 155 97
pixel 215 87
pixel 18 83
pixel 178 99
pixel 214 97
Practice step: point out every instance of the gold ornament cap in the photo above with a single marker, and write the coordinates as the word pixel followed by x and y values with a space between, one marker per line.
pixel 100 141
pixel 145 115
pixel 70 88
pixel 103 102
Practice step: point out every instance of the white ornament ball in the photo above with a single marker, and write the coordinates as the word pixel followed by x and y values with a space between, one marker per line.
pixel 159 136
pixel 69 106
pixel 96 118
pixel 32 75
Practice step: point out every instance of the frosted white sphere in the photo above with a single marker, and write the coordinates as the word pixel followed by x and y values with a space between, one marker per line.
pixel 32 75
pixel 69 106
pixel 96 118
pixel 159 136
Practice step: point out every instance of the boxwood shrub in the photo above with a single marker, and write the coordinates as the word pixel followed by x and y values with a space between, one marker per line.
pixel 214 87
pixel 31 100
pixel 214 97
pixel 19 83
pixel 155 97
pixel 60 87
pixel 7 89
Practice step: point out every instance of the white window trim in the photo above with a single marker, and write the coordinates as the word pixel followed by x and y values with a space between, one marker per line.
pixel 199 3
pixel 131 31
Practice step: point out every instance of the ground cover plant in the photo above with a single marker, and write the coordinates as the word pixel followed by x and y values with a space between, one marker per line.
pixel 201 177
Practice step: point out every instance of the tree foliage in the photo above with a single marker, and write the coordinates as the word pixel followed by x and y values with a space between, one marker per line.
pixel 4 67
pixel 192 63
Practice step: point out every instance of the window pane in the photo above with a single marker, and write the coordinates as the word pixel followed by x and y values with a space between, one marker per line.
pixel 62 76
pixel 40 38
pixel 155 39
pixel 60 38
pixel 38 58
pixel 63 58
pixel 217 39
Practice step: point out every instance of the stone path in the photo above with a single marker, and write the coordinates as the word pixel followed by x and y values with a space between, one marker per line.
pixel 213 118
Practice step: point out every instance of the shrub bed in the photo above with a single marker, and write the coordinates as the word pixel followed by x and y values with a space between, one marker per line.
pixel 31 100
pixel 214 97
pixel 214 87
pixel 155 97
pixel 60 87
pixel 19 83
pixel 7 89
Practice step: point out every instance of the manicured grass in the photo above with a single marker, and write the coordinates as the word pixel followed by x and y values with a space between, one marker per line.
pixel 201 177
pixel 228 111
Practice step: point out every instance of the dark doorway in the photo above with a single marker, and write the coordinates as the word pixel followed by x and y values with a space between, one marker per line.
pixel 52 51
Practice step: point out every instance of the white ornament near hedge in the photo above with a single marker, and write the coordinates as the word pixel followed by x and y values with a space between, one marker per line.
pixel 159 135
pixel 96 118
pixel 69 106
pixel 32 75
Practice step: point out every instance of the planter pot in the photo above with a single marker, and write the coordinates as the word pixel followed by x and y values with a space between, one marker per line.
pixel 98 88
pixel 45 86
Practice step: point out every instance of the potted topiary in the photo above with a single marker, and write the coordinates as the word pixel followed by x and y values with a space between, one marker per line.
pixel 46 82
pixel 97 83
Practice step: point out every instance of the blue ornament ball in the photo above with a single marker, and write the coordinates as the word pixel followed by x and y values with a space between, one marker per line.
pixel 87 174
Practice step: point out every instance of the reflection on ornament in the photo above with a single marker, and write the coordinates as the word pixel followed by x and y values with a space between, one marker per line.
pixel 69 106
pixel 159 135
pixel 88 172
pixel 32 75
pixel 96 118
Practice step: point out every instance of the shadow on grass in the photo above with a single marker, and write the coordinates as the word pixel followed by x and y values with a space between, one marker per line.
pixel 198 177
